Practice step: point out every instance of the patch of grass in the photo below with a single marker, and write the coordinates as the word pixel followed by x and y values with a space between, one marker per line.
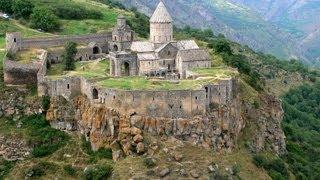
pixel 26 56
pixel 44 139
pixel 88 69
pixel 40 169
pixel 99 171
pixel 101 153
pixel 5 167
pixel 69 170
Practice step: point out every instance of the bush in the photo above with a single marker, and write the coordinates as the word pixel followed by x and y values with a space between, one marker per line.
pixel 149 162
pixel 101 153
pixel 6 6
pixel 5 167
pixel 260 160
pixel 22 8
pixel 102 171
pixel 45 102
pixel 40 169
pixel 69 170
pixel 75 12
pixel 44 19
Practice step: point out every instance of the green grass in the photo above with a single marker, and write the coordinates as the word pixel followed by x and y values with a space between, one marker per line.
pixel 2 53
pixel 89 69
pixel 222 72
pixel 142 83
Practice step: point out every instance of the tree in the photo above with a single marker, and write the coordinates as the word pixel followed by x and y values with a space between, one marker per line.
pixel 43 18
pixel 6 6
pixel 222 46
pixel 69 55
pixel 22 8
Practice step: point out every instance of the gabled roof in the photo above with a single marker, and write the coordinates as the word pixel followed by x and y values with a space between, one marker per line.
pixel 163 46
pixel 147 56
pixel 161 14
pixel 142 46
pixel 194 55
pixel 187 44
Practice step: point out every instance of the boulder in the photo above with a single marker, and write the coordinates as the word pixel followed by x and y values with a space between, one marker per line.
pixel 194 173
pixel 137 138
pixel 164 172
pixel 140 148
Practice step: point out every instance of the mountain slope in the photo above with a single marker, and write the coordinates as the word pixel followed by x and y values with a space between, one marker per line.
pixel 239 20
pixel 298 17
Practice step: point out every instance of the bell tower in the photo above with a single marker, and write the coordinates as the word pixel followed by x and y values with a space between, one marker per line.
pixel 161 27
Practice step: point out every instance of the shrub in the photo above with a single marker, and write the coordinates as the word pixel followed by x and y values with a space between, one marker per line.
pixel 40 169
pixel 22 8
pixel 44 19
pixel 75 12
pixel 236 169
pixel 149 162
pixel 102 171
pixel 5 167
pixel 46 102
pixel 260 160
pixel 6 6
pixel 69 170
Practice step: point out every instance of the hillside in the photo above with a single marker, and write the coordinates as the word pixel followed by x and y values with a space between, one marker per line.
pixel 71 157
pixel 297 17
pixel 243 23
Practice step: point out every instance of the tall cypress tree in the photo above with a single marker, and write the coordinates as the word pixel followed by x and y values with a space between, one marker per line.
pixel 69 56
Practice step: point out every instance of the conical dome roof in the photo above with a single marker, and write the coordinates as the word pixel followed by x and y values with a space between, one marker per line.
pixel 161 14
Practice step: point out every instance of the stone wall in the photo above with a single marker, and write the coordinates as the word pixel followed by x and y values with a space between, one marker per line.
pixel 26 43
pixel 169 104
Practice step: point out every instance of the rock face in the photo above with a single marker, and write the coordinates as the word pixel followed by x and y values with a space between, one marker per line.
pixel 219 130
pixel 267 134
pixel 103 126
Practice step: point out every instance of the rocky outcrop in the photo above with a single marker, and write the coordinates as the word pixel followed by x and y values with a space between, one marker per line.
pixel 106 127
pixel 219 129
pixel 13 148
pixel 265 122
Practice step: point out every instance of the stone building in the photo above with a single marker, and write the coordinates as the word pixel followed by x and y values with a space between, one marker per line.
pixel 161 55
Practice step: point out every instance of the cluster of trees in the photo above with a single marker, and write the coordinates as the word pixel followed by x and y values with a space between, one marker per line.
pixel 239 61
pixel 44 17
pixel 302 128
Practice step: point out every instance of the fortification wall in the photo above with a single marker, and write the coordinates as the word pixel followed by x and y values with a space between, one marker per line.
pixel 61 40
pixel 15 42
pixel 168 104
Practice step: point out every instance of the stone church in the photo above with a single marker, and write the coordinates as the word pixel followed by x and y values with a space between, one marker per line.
pixel 160 56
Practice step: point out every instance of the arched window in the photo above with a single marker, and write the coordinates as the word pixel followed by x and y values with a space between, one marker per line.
pixel 96 50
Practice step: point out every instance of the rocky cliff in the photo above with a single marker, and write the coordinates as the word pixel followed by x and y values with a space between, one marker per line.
pixel 124 131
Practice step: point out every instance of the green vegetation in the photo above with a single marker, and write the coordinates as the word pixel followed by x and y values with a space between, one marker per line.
pixel 40 169
pixel 22 8
pixel 6 6
pixel 68 56
pixel 5 167
pixel 99 171
pixel 42 137
pixel 44 19
pixel 302 128
pixel 275 166
pixel 90 69
pixel 101 153
pixel 45 102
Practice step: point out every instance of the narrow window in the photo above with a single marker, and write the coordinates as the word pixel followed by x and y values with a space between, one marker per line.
pixel 68 86
pixel 196 97
pixel 114 97
pixel 15 40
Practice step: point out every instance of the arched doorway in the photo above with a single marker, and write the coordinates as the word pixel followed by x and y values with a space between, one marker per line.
pixel 95 94
pixel 96 50
pixel 125 69
pixel 115 48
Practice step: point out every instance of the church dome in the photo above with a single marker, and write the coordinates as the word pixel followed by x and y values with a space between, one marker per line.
pixel 161 14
